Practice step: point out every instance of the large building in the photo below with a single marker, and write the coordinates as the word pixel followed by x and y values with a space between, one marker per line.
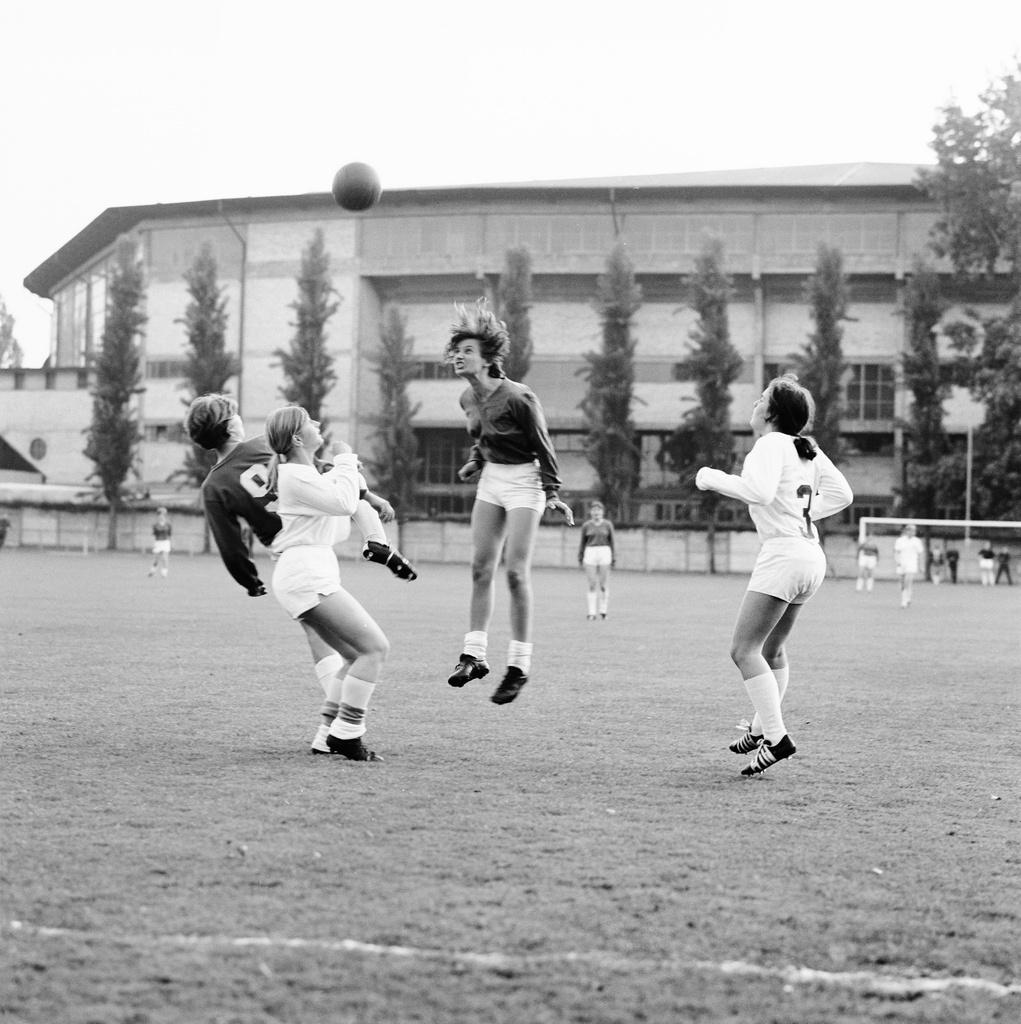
pixel 422 249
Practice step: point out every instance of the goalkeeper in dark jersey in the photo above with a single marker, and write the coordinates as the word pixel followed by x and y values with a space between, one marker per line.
pixel 236 493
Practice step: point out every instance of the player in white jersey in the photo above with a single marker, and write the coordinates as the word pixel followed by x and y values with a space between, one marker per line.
pixel 306 578
pixel 908 552
pixel 788 483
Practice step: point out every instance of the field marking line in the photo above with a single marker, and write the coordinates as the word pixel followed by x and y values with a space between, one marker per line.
pixel 882 984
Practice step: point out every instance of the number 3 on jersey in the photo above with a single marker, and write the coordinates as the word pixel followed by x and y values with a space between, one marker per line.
pixel 255 480
pixel 804 491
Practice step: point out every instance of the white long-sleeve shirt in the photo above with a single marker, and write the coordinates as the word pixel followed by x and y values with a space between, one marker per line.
pixel 785 494
pixel 309 502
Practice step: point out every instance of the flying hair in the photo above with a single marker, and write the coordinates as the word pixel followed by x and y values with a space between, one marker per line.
pixel 480 323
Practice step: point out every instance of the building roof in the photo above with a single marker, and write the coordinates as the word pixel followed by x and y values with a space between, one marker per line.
pixel 116 220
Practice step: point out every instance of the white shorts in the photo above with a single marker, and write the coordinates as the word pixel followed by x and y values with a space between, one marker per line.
pixel 986 564
pixel 161 547
pixel 788 568
pixel 599 555
pixel 303 576
pixel 867 561
pixel 515 486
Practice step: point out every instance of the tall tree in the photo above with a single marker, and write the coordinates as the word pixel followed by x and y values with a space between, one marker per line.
pixel 113 437
pixel 703 437
pixel 307 364
pixel 820 364
pixel 208 366
pixel 514 303
pixel 395 464
pixel 611 445
pixel 976 181
pixel 10 351
pixel 928 387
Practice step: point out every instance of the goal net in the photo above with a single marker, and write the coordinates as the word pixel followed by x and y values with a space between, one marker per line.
pixel 943 537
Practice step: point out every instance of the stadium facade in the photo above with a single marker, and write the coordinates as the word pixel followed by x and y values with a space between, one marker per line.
pixel 423 249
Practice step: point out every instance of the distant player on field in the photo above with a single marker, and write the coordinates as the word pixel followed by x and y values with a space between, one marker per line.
pixel 596 557
pixel 868 559
pixel 908 552
pixel 788 484
pixel 236 492
pixel 161 533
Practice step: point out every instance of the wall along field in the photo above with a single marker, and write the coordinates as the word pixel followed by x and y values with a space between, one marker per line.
pixel 588 853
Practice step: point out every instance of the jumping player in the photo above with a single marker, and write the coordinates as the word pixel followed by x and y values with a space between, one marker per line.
pixel 596 556
pixel 788 483
pixel 513 460
pixel 306 577
pixel 236 494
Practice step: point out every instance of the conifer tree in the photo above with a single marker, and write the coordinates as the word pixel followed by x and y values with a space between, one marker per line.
pixel 307 363
pixel 612 446
pixel 395 463
pixel 704 437
pixel 820 364
pixel 924 380
pixel 10 351
pixel 113 437
pixel 208 366
pixel 515 301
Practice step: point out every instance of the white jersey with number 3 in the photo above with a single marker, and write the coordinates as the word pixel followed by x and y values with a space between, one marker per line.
pixel 785 494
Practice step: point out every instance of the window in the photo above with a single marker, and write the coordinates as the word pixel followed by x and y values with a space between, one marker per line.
pixel 431 370
pixel 161 369
pixel 443 453
pixel 164 433
pixel 870 392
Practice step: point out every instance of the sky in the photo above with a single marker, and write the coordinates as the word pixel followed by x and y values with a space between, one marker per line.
pixel 122 103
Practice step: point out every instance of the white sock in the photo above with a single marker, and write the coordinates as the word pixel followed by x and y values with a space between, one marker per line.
pixel 366 518
pixel 604 600
pixel 591 598
pixel 868 583
pixel 354 702
pixel 519 655
pixel 782 677
pixel 475 643
pixel 327 668
pixel 765 697
pixel 859 584
pixel 319 743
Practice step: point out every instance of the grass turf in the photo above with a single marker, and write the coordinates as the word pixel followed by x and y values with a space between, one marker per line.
pixel 589 853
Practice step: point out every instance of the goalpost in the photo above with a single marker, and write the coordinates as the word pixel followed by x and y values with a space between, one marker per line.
pixel 997 533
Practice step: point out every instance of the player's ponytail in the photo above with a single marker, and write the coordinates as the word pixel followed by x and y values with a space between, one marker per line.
pixel 281 426
pixel 791 409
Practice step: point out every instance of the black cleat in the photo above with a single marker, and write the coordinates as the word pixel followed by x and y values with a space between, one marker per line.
pixel 510 687
pixel 468 668
pixel 391 558
pixel 353 750
pixel 746 744
pixel 769 753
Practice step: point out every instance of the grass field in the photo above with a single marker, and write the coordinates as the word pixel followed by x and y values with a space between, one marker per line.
pixel 588 854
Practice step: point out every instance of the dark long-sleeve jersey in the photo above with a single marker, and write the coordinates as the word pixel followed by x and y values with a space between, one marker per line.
pixel 236 489
pixel 508 427
pixel 595 535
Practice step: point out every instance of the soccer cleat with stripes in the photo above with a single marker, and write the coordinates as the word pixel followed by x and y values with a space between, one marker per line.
pixel 746 744
pixel 768 754
pixel 353 750
pixel 374 551
pixel 510 687
pixel 467 669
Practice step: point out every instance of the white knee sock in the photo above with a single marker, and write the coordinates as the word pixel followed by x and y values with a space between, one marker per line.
pixel 604 600
pixel 782 677
pixel 591 597
pixel 519 654
pixel 475 643
pixel 366 518
pixel 765 696
pixel 354 702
